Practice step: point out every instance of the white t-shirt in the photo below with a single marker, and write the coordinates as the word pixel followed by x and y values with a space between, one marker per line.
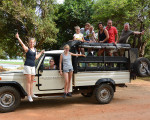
pixel 90 35
pixel 78 36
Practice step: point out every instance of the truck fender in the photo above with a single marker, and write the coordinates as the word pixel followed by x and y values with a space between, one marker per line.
pixel 15 85
pixel 106 80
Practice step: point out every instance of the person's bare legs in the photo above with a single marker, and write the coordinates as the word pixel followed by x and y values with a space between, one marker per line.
pixel 28 79
pixel 28 87
pixel 31 84
pixel 82 51
pixel 69 80
pixel 66 82
pixel 100 52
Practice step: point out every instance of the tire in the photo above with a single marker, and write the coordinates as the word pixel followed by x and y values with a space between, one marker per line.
pixel 9 99
pixel 104 93
pixel 86 94
pixel 142 67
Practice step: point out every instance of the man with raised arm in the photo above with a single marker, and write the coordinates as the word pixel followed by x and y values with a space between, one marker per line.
pixel 126 32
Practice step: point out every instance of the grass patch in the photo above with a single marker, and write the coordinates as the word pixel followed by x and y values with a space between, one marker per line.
pixel 10 62
pixel 144 78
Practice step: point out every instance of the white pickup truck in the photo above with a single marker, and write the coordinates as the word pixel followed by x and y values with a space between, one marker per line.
pixel 93 76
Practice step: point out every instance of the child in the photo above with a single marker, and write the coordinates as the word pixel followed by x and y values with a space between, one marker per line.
pixel 79 36
pixel 91 35
pixel 85 30
pixel 65 57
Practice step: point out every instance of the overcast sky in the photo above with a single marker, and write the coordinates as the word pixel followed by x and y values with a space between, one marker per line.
pixel 60 1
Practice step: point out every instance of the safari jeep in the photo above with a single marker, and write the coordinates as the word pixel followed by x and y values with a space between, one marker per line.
pixel 93 75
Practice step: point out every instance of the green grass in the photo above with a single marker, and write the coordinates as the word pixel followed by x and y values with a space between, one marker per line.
pixel 10 62
pixel 144 78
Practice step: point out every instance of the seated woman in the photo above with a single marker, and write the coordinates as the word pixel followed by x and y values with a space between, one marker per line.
pixel 52 65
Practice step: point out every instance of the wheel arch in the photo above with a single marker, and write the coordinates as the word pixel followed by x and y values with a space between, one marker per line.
pixel 16 85
pixel 108 81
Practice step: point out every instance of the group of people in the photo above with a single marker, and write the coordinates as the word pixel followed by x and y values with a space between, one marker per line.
pixel 105 35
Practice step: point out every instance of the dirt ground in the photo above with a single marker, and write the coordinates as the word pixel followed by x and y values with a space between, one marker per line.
pixel 131 103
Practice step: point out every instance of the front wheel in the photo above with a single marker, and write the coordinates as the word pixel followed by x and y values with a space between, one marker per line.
pixel 9 99
pixel 104 93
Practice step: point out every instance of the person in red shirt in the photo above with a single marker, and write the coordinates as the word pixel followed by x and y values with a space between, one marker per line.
pixel 112 31
pixel 113 34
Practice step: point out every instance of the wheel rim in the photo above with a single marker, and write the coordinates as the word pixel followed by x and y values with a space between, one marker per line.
pixel 143 67
pixel 7 99
pixel 104 94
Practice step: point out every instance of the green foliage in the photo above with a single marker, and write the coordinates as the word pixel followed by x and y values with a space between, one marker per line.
pixel 43 19
pixel 136 12
pixel 71 14
pixel 32 18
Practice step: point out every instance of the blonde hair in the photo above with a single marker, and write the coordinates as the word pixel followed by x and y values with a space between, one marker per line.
pixel 31 39
pixel 88 24
pixel 66 46
pixel 92 27
pixel 77 27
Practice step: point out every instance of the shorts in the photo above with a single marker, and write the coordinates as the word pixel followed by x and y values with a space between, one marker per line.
pixel 29 70
pixel 67 70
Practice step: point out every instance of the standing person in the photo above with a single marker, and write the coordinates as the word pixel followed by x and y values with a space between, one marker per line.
pixel 103 36
pixel 65 58
pixel 126 32
pixel 113 34
pixel 79 36
pixel 125 35
pixel 29 66
pixel 85 31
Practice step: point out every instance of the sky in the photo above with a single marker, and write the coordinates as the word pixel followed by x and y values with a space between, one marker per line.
pixel 60 1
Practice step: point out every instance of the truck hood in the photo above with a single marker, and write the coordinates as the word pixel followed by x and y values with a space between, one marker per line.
pixel 11 72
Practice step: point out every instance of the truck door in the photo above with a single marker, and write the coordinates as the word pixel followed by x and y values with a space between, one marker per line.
pixel 50 79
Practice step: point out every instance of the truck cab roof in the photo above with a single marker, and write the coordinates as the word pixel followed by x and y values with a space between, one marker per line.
pixel 54 52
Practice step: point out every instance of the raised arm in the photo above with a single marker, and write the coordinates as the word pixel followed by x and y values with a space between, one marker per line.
pixel 60 63
pixel 25 48
pixel 98 36
pixel 94 36
pixel 38 55
pixel 139 33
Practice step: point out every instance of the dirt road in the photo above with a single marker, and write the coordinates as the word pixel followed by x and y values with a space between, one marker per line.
pixel 131 103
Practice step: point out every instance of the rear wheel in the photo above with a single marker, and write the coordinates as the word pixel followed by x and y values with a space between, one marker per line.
pixel 142 67
pixel 104 93
pixel 9 99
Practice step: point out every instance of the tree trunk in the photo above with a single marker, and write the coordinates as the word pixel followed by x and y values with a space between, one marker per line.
pixel 142 51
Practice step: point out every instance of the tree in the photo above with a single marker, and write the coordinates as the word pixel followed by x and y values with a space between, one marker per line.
pixel 136 12
pixel 32 18
pixel 71 14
